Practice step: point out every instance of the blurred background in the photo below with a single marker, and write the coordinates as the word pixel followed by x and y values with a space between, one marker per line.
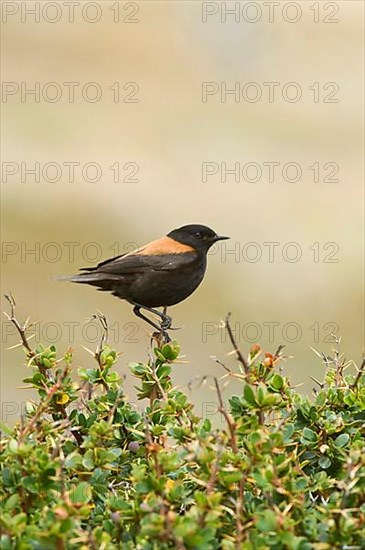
pixel 131 131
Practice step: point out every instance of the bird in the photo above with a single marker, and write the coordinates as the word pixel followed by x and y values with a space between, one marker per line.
pixel 159 274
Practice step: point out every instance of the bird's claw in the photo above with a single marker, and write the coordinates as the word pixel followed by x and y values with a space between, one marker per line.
pixel 175 328
pixel 166 322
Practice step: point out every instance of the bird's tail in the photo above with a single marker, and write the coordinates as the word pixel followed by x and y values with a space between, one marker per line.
pixel 88 278
pixel 92 278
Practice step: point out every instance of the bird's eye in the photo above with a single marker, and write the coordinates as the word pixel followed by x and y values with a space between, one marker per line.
pixel 198 235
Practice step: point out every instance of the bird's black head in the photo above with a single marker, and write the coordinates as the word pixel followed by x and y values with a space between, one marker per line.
pixel 198 236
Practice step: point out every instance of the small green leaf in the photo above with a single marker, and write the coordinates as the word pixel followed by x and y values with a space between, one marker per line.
pixel 82 493
pixel 73 460
pixel 261 395
pixel 288 431
pixel 324 462
pixel 230 477
pixel 13 446
pixel 321 398
pixel 5 428
pixel 277 382
pixel 341 440
pixel 163 371
pixel 268 521
pixel 88 460
pixel 170 351
pixel 249 395
pixel 207 425
pixel 12 503
pixel 309 435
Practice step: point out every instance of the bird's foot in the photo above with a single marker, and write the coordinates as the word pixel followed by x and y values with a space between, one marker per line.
pixel 166 321
pixel 164 325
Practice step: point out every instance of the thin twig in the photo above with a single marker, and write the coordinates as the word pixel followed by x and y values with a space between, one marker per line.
pixel 99 350
pixel 116 404
pixel 278 351
pixel 239 508
pixel 232 431
pixel 22 333
pixel 230 422
pixel 320 384
pixel 219 362
pixel 152 447
pixel 158 384
pixel 213 476
pixel 240 357
pixel 360 372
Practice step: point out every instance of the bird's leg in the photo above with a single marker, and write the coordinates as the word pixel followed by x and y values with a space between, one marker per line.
pixel 166 320
pixel 137 311
pixel 161 335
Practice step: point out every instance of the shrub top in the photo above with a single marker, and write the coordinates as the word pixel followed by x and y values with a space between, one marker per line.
pixel 84 469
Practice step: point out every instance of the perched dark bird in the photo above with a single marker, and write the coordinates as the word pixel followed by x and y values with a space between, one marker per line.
pixel 159 274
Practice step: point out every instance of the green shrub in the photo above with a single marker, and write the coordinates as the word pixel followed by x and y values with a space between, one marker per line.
pixel 84 469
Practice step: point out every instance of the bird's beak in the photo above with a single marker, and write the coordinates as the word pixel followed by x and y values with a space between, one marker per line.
pixel 220 238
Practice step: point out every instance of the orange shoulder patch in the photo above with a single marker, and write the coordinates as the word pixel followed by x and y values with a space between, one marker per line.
pixel 165 245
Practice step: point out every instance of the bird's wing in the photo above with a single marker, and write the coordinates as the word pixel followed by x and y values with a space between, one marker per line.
pixel 103 263
pixel 161 255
